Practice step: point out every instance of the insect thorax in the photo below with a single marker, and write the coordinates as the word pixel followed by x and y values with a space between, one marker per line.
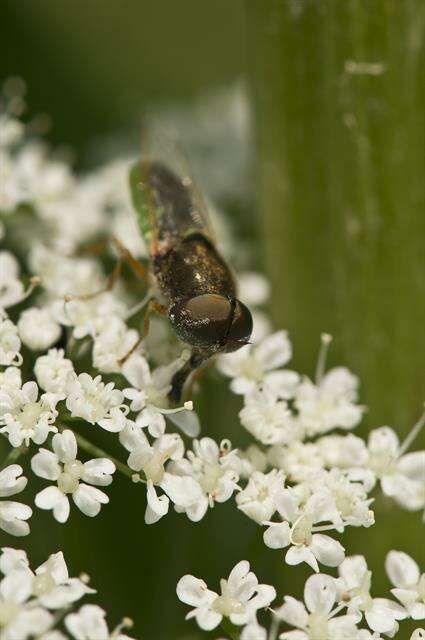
pixel 190 267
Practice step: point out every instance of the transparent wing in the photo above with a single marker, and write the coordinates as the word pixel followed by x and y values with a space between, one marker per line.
pixel 167 202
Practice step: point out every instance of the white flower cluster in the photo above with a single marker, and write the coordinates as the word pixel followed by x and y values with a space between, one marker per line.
pixel 333 607
pixel 33 603
pixel 66 334
pixel 313 482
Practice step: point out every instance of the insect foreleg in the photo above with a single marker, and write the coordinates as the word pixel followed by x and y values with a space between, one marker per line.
pixel 179 379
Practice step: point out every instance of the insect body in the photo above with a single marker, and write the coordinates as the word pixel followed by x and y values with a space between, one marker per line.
pixel 194 279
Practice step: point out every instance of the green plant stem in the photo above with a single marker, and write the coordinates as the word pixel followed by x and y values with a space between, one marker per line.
pixel 230 629
pixel 13 455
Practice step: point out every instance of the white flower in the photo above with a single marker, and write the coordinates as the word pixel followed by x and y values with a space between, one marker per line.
pixel 37 329
pixel 12 130
pixel 11 559
pixel 52 371
pixel 342 451
pixel 402 476
pixel 41 180
pixel 348 503
pixel 71 477
pixel 298 460
pixel 213 468
pixel 11 288
pixel 240 599
pixel 317 619
pixel 151 460
pixel 253 631
pixel 19 617
pixel 62 275
pixel 13 514
pixel 298 530
pixel 98 403
pixel 418 634
pixel 10 383
pixel 256 365
pixel 10 343
pixel 25 417
pixel 258 499
pixel 84 315
pixel 268 418
pixel 51 584
pixel 149 397
pixel 329 404
pixel 253 287
pixel 89 624
pixel 409 583
pixel 354 585
pixel 111 343
pixel 250 460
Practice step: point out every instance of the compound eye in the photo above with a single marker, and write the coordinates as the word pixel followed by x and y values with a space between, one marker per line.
pixel 202 321
pixel 241 328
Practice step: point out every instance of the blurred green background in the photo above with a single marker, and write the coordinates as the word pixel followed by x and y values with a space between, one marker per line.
pixel 338 180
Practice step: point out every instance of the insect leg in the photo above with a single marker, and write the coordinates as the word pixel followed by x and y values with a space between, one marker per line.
pixel 110 284
pixel 196 376
pixel 179 379
pixel 124 256
pixel 138 269
pixel 153 306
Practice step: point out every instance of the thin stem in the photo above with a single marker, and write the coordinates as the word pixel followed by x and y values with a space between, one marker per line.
pixel 274 628
pixel 325 339
pixel 229 628
pixel 416 429
pixel 13 455
pixel 337 609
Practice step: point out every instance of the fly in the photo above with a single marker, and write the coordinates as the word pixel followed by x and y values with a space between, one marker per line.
pixel 195 281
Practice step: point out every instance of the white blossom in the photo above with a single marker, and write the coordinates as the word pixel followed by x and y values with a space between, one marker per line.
pixel 329 404
pixel 240 598
pixel 213 468
pixel 250 460
pixel 11 288
pixel 298 530
pixel 318 618
pixel 409 583
pixel 354 586
pixel 258 365
pixel 72 477
pixel 51 584
pixel 89 624
pixel 98 403
pixel 111 343
pixel 19 616
pixel 268 418
pixel 10 343
pixel 148 397
pixel 13 515
pixel 151 460
pixel 402 477
pixel 26 417
pixel 258 499
pixel 52 371
pixel 298 460
pixel 37 329
pixel 83 315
